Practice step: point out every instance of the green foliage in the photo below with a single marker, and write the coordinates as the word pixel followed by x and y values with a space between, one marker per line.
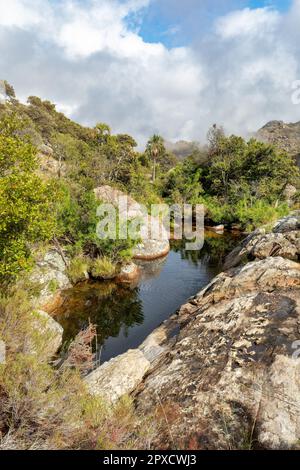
pixel 240 181
pixel 53 285
pixel 117 250
pixel 103 268
pixel 76 215
pixel 26 202
pixel 259 212
pixel 9 90
pixel 156 151
pixel 251 168
pixel 78 269
pixel 183 183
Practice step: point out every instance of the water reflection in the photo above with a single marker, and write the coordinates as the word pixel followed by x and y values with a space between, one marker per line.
pixel 105 304
pixel 126 315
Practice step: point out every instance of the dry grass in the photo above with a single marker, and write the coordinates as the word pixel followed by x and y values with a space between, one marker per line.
pixel 43 407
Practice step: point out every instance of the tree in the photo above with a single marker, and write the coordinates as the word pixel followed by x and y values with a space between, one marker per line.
pixel 155 149
pixel 26 202
pixel 183 183
pixel 9 90
pixel 103 132
pixel 215 136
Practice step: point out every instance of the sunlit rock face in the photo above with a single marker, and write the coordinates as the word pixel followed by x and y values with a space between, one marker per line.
pixel 155 243
pixel 119 376
pixel 50 275
pixel 284 241
pixel 230 376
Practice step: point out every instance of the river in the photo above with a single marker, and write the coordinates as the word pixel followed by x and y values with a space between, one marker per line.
pixel 125 316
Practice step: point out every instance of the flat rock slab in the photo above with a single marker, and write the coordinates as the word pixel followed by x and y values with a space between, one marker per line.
pixel 231 372
pixel 119 376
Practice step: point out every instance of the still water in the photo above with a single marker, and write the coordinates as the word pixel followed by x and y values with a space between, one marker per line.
pixel 125 316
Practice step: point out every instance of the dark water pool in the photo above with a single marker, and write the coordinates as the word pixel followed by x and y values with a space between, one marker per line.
pixel 125 316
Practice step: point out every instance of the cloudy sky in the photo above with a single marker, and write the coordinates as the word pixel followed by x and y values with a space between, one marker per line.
pixel 169 66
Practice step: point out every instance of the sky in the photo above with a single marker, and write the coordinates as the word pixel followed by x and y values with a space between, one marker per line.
pixel 172 67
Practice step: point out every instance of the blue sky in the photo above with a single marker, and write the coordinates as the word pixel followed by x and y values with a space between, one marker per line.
pixel 177 23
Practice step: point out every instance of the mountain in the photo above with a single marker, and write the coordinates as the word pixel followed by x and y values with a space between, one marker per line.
pixel 182 148
pixel 283 135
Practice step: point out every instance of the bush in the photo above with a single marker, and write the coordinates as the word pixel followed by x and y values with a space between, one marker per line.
pixel 26 201
pixel 78 269
pixel 259 212
pixel 103 268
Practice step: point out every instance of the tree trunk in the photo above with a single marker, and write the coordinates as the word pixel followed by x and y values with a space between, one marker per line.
pixel 154 171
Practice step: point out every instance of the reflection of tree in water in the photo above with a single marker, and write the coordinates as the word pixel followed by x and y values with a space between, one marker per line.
pixel 215 248
pixel 106 305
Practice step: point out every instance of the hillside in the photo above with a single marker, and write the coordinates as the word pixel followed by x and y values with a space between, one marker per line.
pixel 284 136
pixel 182 148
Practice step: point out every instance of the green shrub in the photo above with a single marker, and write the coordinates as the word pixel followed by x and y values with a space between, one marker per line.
pixel 78 269
pixel 103 268
pixel 26 202
pixel 259 212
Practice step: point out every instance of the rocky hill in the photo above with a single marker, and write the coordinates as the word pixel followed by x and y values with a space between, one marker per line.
pixel 283 135
pixel 182 148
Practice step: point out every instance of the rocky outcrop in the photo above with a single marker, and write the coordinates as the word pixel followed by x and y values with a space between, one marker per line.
pixel 51 334
pixel 228 379
pixel 284 241
pixel 284 136
pixel 49 166
pixel 119 376
pixel 149 248
pixel 129 273
pixel 224 371
pixel 50 274
pixel 288 224
pixel 182 148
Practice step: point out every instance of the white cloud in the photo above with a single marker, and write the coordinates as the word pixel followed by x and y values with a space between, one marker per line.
pixel 259 22
pixel 84 57
pixel 21 14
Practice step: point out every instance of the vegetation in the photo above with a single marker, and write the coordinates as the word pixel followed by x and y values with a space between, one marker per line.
pixel 26 202
pixel 238 182
pixel 47 406
pixel 78 269
pixel 42 407
pixel 103 268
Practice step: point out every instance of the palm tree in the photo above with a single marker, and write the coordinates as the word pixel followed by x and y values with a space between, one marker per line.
pixel 155 148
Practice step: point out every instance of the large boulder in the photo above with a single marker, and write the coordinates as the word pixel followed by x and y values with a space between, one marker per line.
pixel 152 246
pixel 229 379
pixel 284 241
pixel 50 274
pixel 287 224
pixel 129 274
pixel 119 376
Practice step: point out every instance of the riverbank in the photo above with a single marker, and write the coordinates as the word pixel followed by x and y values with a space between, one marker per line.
pixel 222 367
